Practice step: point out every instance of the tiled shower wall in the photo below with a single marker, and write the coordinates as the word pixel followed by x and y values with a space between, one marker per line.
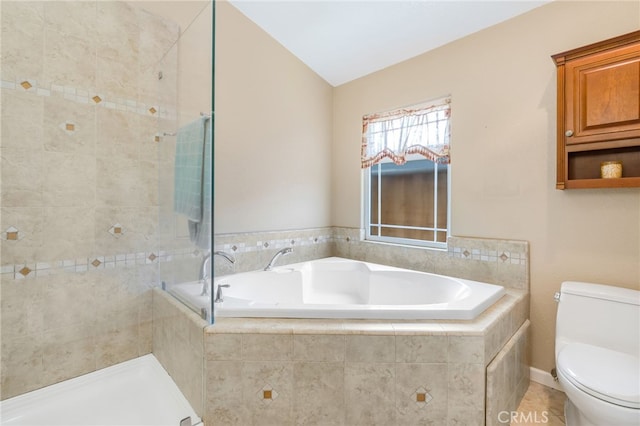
pixel 81 241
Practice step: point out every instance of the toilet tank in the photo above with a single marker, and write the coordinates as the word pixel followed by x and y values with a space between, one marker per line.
pixel 599 315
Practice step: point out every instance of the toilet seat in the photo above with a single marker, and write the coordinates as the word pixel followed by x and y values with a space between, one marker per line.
pixel 604 374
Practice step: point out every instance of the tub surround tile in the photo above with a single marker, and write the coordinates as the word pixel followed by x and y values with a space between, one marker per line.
pixel 267 391
pixel 427 404
pixel 318 393
pixel 267 347
pixel 178 343
pixel 508 376
pixel 370 349
pixel 319 348
pixel 370 393
pixel 348 373
pixel 427 349
pixel 223 347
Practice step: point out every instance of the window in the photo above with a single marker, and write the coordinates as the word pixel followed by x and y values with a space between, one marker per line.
pixel 405 157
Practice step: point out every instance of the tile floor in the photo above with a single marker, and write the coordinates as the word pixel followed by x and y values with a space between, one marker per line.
pixel 541 405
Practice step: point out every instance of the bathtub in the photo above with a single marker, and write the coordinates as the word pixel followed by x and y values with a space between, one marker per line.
pixel 342 288
pixel 136 392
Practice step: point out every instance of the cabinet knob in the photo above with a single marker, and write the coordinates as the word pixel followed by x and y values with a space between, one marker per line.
pixel 568 133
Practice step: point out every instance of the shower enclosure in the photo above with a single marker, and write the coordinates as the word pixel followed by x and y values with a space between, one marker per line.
pixel 92 93
pixel 185 85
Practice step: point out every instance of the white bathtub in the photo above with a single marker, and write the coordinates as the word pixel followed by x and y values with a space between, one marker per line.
pixel 136 392
pixel 342 288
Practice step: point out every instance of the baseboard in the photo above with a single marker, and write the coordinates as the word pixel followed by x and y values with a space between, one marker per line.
pixel 544 378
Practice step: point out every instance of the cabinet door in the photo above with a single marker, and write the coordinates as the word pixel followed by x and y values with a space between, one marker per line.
pixel 603 96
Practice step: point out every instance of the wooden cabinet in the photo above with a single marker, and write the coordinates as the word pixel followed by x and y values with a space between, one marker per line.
pixel 599 113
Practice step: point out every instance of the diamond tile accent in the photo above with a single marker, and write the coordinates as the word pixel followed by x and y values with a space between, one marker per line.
pixel 504 257
pixel 25 271
pixel 96 263
pixel 156 138
pixel 12 234
pixel 466 253
pixel 26 85
pixel 152 257
pixel 267 394
pixel 97 99
pixel 116 230
pixel 70 127
pixel 152 110
pixel 422 397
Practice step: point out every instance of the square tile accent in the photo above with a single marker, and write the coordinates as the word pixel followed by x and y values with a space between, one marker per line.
pixel 267 394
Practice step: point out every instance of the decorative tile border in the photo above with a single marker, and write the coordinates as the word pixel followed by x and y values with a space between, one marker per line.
pixel 493 251
pixel 88 97
pixel 21 271
pixel 264 243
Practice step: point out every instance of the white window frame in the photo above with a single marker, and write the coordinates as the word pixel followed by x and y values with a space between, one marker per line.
pixel 398 240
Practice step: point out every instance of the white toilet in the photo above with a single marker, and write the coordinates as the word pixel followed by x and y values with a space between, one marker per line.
pixel 598 354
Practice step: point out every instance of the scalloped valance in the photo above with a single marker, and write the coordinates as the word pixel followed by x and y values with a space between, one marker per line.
pixel 397 134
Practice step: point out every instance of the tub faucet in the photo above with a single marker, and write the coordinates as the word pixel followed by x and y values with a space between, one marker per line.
pixel 285 251
pixel 204 269
pixel 204 273
pixel 225 255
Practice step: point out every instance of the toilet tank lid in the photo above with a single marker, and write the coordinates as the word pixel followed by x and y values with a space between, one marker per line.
pixel 601 291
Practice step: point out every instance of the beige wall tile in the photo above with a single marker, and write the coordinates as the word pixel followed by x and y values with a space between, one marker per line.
pixel 429 380
pixel 69 127
pixel 68 352
pixel 22 178
pixel 117 134
pixel 22 115
pixel 68 60
pixel 115 78
pixel 113 182
pixel 117 31
pixel 117 346
pixel 273 376
pixel 22 309
pixel 139 229
pixel 318 393
pixel 67 233
pixel 223 347
pixel 310 347
pixel 70 180
pixel 466 349
pixel 225 404
pixel 370 394
pixel 76 19
pixel 466 386
pixel 28 221
pixel 22 367
pixel 267 347
pixel 370 349
pixel 432 349
pixel 22 39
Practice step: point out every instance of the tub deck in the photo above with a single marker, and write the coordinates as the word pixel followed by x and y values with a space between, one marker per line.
pixel 136 392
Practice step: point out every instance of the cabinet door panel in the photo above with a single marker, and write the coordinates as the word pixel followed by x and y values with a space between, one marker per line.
pixel 604 97
pixel 611 96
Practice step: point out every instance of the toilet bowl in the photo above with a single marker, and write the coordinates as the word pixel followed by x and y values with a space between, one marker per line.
pixel 602 386
pixel 598 354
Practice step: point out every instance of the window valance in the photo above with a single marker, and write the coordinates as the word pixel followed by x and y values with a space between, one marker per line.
pixel 397 134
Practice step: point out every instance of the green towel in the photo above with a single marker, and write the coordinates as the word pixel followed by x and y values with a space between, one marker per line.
pixel 192 190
